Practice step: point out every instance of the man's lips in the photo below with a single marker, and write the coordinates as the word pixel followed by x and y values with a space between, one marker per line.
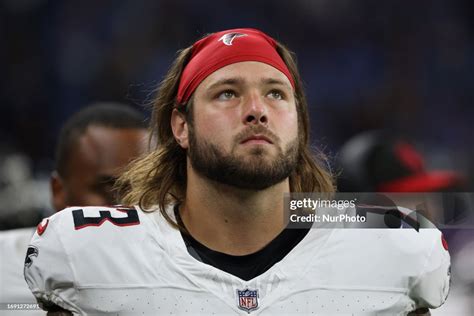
pixel 257 139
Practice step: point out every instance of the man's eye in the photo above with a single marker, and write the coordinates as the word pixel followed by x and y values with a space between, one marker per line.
pixel 276 94
pixel 226 95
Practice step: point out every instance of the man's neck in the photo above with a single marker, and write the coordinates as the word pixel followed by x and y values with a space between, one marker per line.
pixel 232 220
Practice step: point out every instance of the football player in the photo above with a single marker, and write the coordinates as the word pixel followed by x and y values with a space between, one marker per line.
pixel 208 234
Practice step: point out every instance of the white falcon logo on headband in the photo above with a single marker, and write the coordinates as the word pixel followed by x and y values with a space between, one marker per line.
pixel 229 37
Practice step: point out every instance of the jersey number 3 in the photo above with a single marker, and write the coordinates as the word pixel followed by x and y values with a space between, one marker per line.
pixel 81 221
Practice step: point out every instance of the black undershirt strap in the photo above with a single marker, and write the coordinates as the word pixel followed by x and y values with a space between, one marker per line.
pixel 249 266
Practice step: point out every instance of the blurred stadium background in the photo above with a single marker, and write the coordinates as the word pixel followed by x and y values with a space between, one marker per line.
pixel 407 67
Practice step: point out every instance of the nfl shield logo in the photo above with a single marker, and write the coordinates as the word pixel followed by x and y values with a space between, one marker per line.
pixel 247 300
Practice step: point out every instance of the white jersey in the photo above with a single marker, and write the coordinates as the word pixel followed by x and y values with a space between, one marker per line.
pixel 15 296
pixel 95 260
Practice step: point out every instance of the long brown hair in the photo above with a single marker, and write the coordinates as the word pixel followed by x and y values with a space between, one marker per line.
pixel 159 178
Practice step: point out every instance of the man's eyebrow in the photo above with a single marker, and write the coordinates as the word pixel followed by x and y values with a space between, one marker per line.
pixel 276 81
pixel 240 80
pixel 226 81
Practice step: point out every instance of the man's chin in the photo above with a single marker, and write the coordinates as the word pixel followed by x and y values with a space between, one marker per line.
pixel 248 182
pixel 252 167
pixel 257 154
pixel 257 162
pixel 252 173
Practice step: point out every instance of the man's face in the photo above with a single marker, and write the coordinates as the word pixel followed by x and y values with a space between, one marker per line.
pixel 244 127
pixel 96 160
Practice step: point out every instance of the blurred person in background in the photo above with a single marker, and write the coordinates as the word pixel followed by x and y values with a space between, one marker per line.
pixel 94 145
pixel 377 161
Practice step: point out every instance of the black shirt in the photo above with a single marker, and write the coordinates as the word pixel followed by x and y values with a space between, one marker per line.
pixel 249 266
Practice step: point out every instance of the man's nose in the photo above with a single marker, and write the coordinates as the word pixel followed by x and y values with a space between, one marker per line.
pixel 255 111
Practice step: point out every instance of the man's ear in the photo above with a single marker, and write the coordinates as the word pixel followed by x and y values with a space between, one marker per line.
pixel 180 128
pixel 58 193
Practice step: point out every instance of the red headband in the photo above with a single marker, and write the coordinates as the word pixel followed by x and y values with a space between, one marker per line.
pixel 224 48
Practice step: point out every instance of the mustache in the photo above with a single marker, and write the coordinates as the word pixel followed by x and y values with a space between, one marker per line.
pixel 260 130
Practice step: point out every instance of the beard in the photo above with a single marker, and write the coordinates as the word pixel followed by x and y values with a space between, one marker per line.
pixel 255 170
